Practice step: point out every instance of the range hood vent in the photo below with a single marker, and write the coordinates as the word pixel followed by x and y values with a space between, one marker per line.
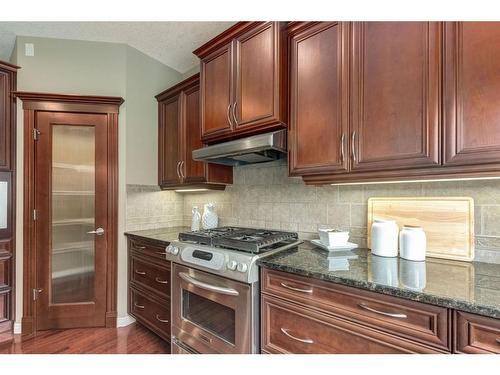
pixel 256 149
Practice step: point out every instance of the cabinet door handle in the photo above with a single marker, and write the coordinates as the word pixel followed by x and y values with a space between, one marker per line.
pixel 353 146
pixel 342 139
pixel 138 306
pixel 158 280
pixel 392 315
pixel 178 172
pixel 140 272
pixel 234 113
pixel 161 320
pixel 498 341
pixel 181 169
pixel 309 291
pixel 228 116
pixel 305 341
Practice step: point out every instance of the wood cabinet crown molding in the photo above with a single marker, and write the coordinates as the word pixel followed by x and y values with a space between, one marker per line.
pixel 8 66
pixel 224 38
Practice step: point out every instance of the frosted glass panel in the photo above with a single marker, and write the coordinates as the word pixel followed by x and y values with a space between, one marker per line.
pixel 3 204
pixel 73 213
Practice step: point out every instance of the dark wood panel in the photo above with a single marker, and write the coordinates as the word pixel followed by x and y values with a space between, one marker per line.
pixel 149 275
pixel 413 320
pixel 216 92
pixel 476 334
pixel 395 95
pixel 5 128
pixel 133 339
pixel 288 328
pixel 169 137
pixel 472 93
pixel 318 128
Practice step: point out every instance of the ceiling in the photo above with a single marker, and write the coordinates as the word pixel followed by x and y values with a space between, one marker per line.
pixel 171 43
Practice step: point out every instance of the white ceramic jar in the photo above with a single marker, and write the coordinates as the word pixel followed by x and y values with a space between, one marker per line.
pixel 412 243
pixel 384 238
pixel 196 219
pixel 209 219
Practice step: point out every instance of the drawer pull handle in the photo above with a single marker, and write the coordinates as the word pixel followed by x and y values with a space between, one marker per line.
pixel 140 247
pixel 138 306
pixel 392 315
pixel 140 272
pixel 161 253
pixel 305 341
pixel 160 319
pixel 158 280
pixel 309 291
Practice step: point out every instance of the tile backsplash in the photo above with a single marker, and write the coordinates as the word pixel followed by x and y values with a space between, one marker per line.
pixel 264 196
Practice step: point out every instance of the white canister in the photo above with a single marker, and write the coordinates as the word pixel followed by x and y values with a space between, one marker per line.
pixel 209 220
pixel 412 243
pixel 384 238
pixel 196 219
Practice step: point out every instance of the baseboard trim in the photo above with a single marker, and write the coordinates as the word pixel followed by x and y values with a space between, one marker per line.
pixel 18 328
pixel 124 321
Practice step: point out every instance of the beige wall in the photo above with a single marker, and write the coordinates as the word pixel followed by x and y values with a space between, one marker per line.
pixel 96 68
pixel 190 72
pixel 264 196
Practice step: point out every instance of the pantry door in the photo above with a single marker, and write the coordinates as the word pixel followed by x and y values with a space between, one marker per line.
pixel 71 200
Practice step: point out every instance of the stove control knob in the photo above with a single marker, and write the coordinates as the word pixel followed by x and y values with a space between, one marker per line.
pixel 242 267
pixel 231 265
pixel 169 249
pixel 174 250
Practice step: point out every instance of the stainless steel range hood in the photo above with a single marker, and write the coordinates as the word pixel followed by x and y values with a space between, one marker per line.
pixel 255 149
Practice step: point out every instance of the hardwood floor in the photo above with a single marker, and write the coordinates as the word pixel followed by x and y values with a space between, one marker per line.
pixel 133 339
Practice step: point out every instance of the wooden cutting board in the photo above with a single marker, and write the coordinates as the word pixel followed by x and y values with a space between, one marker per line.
pixel 448 222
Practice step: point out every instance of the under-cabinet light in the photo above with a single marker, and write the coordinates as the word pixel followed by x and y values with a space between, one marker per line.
pixel 413 181
pixel 190 190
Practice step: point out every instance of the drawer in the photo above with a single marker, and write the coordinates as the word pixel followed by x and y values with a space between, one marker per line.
pixel 150 276
pixel 427 324
pixel 476 334
pixel 289 328
pixel 148 249
pixel 4 305
pixel 5 265
pixel 153 313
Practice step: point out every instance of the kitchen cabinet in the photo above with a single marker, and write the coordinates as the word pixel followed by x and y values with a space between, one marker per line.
pixel 179 133
pixel 8 73
pixel 244 81
pixel 421 100
pixel 318 121
pixel 149 286
pixel 476 334
pixel 303 315
pixel 472 93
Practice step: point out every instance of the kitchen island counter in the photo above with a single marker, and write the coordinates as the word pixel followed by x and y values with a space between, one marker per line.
pixel 468 286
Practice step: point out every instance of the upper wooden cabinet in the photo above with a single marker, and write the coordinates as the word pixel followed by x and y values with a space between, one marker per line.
pixel 472 93
pixel 395 70
pixel 318 121
pixel 244 81
pixel 179 133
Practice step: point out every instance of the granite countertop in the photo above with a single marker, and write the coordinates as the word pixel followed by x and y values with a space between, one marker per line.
pixel 162 236
pixel 468 286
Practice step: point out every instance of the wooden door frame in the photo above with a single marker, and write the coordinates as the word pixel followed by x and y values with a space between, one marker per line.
pixel 33 102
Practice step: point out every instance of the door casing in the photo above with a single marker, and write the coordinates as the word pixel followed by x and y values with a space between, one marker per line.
pixel 33 102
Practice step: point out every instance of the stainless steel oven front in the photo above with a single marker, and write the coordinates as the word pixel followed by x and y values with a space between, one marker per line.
pixel 212 314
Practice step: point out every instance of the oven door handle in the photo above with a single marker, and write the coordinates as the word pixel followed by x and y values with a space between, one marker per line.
pixel 213 288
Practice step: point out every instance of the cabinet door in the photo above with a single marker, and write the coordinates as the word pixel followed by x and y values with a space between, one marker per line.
pixel 395 95
pixel 193 171
pixel 256 80
pixel 318 127
pixel 216 93
pixel 472 93
pixel 5 137
pixel 169 141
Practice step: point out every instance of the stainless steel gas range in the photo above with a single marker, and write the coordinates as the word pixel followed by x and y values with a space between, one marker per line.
pixel 215 287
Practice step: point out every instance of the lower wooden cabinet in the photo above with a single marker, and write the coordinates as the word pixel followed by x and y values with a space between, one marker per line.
pixel 149 286
pixel 302 315
pixel 476 334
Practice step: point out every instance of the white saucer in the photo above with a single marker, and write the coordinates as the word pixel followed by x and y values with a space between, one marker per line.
pixel 347 246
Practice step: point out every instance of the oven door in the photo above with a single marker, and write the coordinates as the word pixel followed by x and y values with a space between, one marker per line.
pixel 211 309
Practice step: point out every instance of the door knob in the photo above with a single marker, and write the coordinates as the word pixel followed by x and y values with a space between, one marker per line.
pixel 97 232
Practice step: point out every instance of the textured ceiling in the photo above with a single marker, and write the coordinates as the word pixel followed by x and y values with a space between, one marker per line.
pixel 171 43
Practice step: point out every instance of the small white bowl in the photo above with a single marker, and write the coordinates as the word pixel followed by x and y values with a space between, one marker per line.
pixel 333 237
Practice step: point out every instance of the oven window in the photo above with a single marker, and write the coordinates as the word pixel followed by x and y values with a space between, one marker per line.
pixel 209 315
